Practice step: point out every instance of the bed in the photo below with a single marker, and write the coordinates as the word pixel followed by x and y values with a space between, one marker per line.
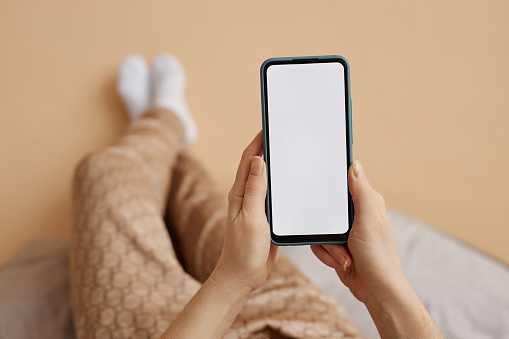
pixel 466 291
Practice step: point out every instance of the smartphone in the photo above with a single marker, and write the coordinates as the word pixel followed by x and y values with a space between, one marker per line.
pixel 307 144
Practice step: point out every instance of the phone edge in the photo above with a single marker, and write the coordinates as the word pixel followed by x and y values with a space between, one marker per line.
pixel 350 143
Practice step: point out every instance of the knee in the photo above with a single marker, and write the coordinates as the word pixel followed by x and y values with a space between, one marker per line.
pixel 91 168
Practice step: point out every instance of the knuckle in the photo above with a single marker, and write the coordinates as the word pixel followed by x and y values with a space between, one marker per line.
pixel 376 199
pixel 371 197
pixel 246 154
pixel 380 208
pixel 249 225
pixel 251 188
pixel 232 195
pixel 380 200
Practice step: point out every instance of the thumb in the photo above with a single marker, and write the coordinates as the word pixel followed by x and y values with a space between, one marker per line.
pixel 256 188
pixel 360 189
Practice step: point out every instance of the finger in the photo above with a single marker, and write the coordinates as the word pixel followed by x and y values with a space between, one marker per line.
pixel 340 254
pixel 324 256
pixel 236 195
pixel 255 191
pixel 364 197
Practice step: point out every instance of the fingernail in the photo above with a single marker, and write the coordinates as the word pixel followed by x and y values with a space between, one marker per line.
pixel 343 262
pixel 357 169
pixel 256 166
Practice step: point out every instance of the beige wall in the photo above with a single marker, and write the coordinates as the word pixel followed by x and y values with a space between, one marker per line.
pixel 429 87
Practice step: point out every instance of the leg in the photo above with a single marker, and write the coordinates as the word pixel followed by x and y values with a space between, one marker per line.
pixel 124 276
pixel 287 305
pixel 196 217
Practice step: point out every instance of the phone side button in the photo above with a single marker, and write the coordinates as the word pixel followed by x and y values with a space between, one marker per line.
pixel 351 124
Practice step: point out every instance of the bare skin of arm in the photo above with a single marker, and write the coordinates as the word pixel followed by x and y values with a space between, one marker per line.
pixel 211 311
pixel 246 259
pixel 369 266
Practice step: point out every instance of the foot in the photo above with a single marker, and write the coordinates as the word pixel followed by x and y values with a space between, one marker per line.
pixel 168 85
pixel 134 85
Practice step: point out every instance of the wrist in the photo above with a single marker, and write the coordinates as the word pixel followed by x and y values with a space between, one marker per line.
pixel 225 280
pixel 388 285
pixel 398 312
pixel 385 305
pixel 388 295
pixel 212 310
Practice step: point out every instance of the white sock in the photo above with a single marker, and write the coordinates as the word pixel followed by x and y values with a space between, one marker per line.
pixel 134 84
pixel 168 85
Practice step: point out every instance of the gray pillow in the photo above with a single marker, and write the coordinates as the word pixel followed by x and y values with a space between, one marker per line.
pixel 34 292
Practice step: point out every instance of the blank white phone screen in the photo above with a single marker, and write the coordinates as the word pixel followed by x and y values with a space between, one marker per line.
pixel 308 156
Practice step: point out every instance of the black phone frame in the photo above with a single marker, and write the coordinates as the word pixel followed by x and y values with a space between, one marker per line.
pixel 306 239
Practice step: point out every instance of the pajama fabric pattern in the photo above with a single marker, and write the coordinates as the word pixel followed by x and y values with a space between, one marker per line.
pixel 148 231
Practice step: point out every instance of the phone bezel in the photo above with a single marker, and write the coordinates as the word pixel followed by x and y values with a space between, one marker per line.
pixel 306 239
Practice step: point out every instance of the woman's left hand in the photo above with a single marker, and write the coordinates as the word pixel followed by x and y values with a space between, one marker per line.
pixel 247 254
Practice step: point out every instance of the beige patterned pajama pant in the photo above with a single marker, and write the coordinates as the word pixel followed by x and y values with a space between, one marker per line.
pixel 148 231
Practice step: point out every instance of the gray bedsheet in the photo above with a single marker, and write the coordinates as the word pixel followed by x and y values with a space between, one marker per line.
pixel 466 292
pixel 34 287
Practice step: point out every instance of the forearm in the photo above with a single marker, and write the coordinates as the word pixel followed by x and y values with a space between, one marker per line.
pixel 211 311
pixel 399 313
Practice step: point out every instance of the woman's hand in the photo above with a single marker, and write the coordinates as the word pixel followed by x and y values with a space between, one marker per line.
pixel 248 254
pixel 371 269
pixel 246 259
pixel 371 261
